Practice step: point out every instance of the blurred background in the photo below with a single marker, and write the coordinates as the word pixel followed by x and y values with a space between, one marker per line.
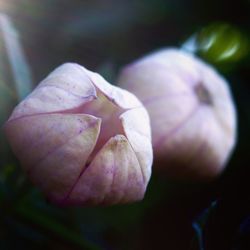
pixel 37 36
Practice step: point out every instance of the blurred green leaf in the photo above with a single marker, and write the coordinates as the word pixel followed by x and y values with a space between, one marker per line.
pixel 15 78
pixel 200 223
pixel 222 44
pixel 52 225
pixel 19 66
pixel 7 170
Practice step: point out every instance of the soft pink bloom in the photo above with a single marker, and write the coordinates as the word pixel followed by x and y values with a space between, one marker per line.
pixel 82 140
pixel 192 113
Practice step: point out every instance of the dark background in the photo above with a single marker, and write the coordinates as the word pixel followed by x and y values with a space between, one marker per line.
pixel 104 36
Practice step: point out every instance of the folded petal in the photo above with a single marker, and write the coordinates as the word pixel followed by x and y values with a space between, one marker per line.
pixel 54 148
pixel 136 127
pixel 114 176
pixel 120 97
pixel 68 87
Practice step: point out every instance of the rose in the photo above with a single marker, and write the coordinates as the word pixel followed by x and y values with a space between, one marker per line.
pixel 82 140
pixel 192 113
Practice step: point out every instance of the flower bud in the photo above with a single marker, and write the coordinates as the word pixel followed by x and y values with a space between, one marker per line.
pixel 82 140
pixel 192 113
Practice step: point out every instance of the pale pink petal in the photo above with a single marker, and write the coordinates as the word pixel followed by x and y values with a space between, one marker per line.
pixel 54 163
pixel 139 136
pixel 68 87
pixel 114 176
pixel 120 97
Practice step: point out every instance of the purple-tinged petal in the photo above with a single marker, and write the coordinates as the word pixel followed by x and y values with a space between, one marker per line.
pixel 114 176
pixel 139 136
pixel 65 89
pixel 55 161
pixel 120 97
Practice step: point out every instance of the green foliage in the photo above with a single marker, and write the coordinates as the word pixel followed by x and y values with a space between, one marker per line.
pixel 222 44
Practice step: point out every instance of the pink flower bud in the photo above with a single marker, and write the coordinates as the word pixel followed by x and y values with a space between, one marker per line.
pixel 82 140
pixel 192 114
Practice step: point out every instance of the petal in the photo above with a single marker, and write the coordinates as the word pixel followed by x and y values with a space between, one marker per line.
pixel 67 87
pixel 170 85
pixel 223 105
pixel 201 152
pixel 172 61
pixel 120 97
pixel 136 126
pixel 113 176
pixel 55 148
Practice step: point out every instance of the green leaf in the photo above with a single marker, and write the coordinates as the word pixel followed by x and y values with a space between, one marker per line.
pixel 19 66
